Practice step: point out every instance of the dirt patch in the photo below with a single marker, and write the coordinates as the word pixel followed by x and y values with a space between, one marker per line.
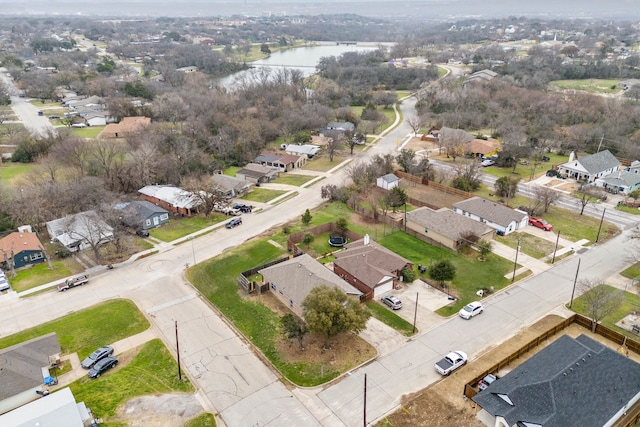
pixel 347 350
pixel 165 410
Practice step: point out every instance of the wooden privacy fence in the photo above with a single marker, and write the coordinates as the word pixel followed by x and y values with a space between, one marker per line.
pixel 470 389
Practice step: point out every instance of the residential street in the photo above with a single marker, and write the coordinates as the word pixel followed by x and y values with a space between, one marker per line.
pixel 233 381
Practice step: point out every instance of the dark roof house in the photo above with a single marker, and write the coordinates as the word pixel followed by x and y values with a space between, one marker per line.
pixel 142 214
pixel 492 213
pixel 369 267
pixel 256 173
pixel 591 167
pixel 230 185
pixel 21 369
pixel 571 382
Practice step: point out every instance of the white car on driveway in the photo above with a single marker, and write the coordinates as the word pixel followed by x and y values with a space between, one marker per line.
pixel 451 362
pixel 471 309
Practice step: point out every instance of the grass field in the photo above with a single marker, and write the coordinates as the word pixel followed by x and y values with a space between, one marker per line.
pixel 263 195
pixel 589 85
pixel 85 330
pixel 88 132
pixel 293 179
pixel 632 272
pixel 11 171
pixel 180 227
pixel 152 371
pixel 40 274
pixel 322 164
pixel 531 245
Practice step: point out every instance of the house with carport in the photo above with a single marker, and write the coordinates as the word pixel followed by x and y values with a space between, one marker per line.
pixel 257 174
pixel 371 268
pixel 292 280
pixel 495 215
pixel 591 167
pixel 445 228
pixel 171 198
pixel 570 382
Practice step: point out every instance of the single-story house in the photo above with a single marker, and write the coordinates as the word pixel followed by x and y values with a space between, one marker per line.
pixel 446 228
pixel 127 126
pixel 571 382
pixel 57 409
pixel 483 147
pixel 480 76
pixel 142 215
pixel 231 186
pixel 369 267
pixel 257 174
pixel 336 129
pixel 306 150
pixel 282 162
pixel 495 215
pixel 24 367
pixel 388 181
pixel 25 248
pixel 292 280
pixel 621 182
pixel 591 167
pixel 80 231
pixel 171 198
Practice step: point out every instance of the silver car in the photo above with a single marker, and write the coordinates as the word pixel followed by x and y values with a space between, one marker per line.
pixel 97 355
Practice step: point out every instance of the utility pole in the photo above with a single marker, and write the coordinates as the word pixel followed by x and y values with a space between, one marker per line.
pixel 415 313
pixel 364 414
pixel 556 248
pixel 515 262
pixel 573 291
pixel 178 352
pixel 600 227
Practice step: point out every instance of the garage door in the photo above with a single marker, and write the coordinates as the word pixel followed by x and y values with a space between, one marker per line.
pixel 382 289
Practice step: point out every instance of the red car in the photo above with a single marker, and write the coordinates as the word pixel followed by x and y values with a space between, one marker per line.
pixel 540 223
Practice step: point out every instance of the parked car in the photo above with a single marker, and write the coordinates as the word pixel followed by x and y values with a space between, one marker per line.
pixel 546 158
pixel 143 233
pixel 72 282
pixel 488 162
pixel 78 125
pixel 4 283
pixel 242 207
pixel 555 174
pixel 486 381
pixel 392 301
pixel 234 222
pixel 451 362
pixel 540 223
pixel 53 117
pixel 41 113
pixel 97 355
pixel 102 366
pixel 471 309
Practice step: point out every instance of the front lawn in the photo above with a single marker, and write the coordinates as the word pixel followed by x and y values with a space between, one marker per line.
pixel 88 132
pixel 216 279
pixel 152 371
pixel 471 274
pixel 180 227
pixel 573 226
pixel 531 245
pixel 9 171
pixel 390 319
pixel 40 274
pixel 322 163
pixel 632 272
pixel 293 179
pixel 85 330
pixel 263 195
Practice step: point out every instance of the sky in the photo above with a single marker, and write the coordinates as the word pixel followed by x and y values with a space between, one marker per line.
pixel 427 9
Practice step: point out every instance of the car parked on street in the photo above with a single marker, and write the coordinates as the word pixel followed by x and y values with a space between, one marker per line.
pixel 451 362
pixel 488 162
pixel 392 301
pixel 96 356
pixel 234 222
pixel 102 366
pixel 471 309
pixel 242 207
pixel 540 223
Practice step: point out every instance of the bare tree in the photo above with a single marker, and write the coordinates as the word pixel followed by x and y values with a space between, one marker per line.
pixel 454 140
pixel 205 193
pixel 545 197
pixel 585 195
pixel 600 299
pixel 415 123
pixel 89 228
pixel 333 145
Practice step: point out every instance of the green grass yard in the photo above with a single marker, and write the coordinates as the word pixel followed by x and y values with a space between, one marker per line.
pixel 293 179
pixel 389 318
pixel 263 195
pixel 180 227
pixel 40 274
pixel 84 331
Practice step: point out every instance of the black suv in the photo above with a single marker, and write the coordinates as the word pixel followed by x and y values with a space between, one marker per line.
pixel 235 221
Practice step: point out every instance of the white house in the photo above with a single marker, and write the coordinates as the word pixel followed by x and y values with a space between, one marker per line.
pixel 495 215
pixel 387 181
pixel 80 231
pixel 591 167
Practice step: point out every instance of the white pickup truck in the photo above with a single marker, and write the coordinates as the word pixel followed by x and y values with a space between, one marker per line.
pixel 72 282
pixel 451 362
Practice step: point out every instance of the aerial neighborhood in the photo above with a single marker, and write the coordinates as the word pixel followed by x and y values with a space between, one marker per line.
pixel 443 217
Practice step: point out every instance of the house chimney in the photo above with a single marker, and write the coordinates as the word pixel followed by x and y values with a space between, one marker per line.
pixel 572 155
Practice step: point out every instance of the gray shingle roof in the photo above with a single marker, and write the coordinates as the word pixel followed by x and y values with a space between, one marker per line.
pixel 389 178
pixel 21 365
pixel 571 382
pixel 622 179
pixel 598 162
pixel 487 209
pixel 370 263
pixel 298 276
pixel 447 223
